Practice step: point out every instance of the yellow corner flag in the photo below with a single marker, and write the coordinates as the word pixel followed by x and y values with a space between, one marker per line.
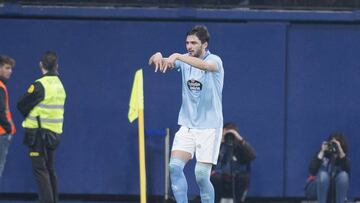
pixel 137 97
pixel 136 110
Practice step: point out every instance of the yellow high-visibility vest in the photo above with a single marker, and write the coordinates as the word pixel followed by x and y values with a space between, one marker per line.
pixel 51 109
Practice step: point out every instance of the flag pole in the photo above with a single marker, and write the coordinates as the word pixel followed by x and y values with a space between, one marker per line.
pixel 136 110
pixel 142 157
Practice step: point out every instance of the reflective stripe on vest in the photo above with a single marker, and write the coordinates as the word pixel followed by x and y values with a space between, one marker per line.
pixel 51 109
pixel 7 111
pixel 46 120
pixel 49 106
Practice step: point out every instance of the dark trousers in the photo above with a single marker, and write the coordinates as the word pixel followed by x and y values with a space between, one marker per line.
pixel 223 186
pixel 45 176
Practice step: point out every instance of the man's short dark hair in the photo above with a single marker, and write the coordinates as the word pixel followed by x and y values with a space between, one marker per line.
pixel 6 60
pixel 49 61
pixel 231 125
pixel 201 32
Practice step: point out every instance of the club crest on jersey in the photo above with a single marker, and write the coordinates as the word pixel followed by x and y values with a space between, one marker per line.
pixel 194 85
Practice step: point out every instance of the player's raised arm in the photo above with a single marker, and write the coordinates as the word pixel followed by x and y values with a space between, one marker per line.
pixel 191 60
pixel 157 61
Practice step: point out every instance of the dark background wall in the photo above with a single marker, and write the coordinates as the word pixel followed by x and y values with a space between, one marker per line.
pixel 288 84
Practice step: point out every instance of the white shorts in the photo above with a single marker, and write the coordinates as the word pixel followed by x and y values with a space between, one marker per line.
pixel 205 143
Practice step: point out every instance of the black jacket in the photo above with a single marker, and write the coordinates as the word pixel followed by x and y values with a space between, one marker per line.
pixel 343 164
pixel 241 153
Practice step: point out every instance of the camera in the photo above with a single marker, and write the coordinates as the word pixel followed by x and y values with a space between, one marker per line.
pixel 332 148
pixel 229 139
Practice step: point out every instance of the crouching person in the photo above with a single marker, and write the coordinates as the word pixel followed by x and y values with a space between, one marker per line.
pixel 231 175
pixel 329 171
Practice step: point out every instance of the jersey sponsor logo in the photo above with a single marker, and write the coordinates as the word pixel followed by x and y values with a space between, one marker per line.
pixel 194 85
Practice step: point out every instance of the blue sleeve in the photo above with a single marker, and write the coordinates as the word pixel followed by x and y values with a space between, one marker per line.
pixel 178 65
pixel 217 60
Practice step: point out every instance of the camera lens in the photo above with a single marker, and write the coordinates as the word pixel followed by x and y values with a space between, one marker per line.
pixel 332 148
pixel 229 138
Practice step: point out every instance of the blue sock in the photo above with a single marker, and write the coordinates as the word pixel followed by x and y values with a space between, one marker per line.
pixel 178 181
pixel 202 174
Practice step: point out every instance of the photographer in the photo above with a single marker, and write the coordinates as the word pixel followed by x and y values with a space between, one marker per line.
pixel 329 171
pixel 231 175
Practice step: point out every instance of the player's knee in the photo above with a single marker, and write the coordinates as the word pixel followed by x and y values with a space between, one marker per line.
pixel 202 173
pixel 201 177
pixel 176 166
pixel 174 169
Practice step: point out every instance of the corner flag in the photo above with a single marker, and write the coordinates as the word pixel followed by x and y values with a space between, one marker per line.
pixel 136 110
pixel 137 97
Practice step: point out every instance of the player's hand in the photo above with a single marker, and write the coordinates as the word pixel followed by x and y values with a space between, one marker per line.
pixel 163 67
pixel 170 62
pixel 157 61
pixel 172 58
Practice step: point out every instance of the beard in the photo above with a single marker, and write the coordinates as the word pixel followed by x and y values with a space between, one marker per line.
pixel 195 53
